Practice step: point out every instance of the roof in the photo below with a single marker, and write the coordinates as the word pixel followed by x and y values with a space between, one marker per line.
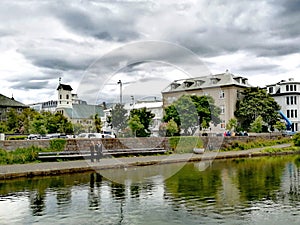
pixel 64 87
pixel 84 111
pixel 10 102
pixel 217 80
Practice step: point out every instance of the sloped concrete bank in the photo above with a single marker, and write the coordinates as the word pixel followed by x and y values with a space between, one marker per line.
pixel 57 168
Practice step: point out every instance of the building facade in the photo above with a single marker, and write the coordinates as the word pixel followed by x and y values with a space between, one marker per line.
pixel 7 103
pixel 286 93
pixel 224 88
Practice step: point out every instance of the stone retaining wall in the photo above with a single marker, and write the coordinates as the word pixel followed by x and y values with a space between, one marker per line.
pixel 127 143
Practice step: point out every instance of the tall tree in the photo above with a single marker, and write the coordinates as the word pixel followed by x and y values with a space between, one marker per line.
pixel 98 123
pixel 145 117
pixel 256 102
pixel 135 124
pixel 190 111
pixel 12 121
pixel 118 118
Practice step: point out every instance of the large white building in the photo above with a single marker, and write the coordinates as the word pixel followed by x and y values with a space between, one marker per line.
pixel 224 88
pixel 286 93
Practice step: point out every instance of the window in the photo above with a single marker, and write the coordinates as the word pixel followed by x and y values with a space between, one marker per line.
pixel 292 100
pixel 295 100
pixel 296 113
pixel 295 87
pixel 270 90
pixel 292 113
pixel 287 87
pixel 222 94
pixel 288 113
pixel 222 109
pixel 291 87
pixel 296 126
pixel 60 97
pixel 287 100
pixel 67 96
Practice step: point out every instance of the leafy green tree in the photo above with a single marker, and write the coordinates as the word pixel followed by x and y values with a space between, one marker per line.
pixel 256 102
pixel 38 125
pixel 98 123
pixel 191 110
pixel 25 119
pixel 232 124
pixel 135 124
pixel 78 128
pixel 280 126
pixel 145 117
pixel 12 121
pixel 3 127
pixel 171 128
pixel 257 125
pixel 118 118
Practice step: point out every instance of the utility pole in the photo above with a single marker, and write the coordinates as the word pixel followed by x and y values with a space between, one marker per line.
pixel 120 82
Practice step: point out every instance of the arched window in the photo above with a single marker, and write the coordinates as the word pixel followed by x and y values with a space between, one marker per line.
pixel 59 96
pixel 67 96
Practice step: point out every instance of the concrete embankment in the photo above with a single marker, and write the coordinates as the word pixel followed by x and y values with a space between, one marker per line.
pixel 56 168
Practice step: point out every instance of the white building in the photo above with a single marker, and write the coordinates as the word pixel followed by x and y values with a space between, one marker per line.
pixel 152 104
pixel 286 93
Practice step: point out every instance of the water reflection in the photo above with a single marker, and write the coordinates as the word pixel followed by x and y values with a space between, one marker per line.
pixel 232 191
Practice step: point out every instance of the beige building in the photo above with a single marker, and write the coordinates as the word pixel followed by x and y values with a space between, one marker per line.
pixel 224 88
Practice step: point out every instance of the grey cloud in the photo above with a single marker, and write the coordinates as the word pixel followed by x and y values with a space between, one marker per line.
pixel 25 85
pixel 98 22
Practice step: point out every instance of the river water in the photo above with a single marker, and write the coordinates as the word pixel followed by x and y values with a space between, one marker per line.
pixel 242 191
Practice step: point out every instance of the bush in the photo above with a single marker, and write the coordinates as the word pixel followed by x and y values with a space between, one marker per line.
pixel 19 137
pixel 296 139
pixel 57 145
pixel 19 156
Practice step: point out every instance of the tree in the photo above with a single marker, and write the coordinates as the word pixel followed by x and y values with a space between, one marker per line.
pixel 171 128
pixel 145 118
pixel 12 121
pixel 118 118
pixel 135 124
pixel 98 123
pixel 280 126
pixel 25 119
pixel 232 124
pixel 257 125
pixel 256 102
pixel 190 111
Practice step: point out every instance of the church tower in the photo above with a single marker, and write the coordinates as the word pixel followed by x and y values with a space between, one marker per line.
pixel 64 96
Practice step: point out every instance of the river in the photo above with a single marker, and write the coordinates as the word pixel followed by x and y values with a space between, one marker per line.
pixel 241 191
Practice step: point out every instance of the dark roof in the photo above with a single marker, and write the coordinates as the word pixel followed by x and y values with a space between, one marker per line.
pixel 10 102
pixel 64 87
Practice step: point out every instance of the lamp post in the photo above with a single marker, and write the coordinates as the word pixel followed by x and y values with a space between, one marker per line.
pixel 120 82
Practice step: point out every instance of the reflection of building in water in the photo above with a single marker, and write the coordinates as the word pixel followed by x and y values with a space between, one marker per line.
pixel 291 181
pixel 229 194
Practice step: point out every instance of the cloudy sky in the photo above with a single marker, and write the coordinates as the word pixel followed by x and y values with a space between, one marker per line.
pixel 93 44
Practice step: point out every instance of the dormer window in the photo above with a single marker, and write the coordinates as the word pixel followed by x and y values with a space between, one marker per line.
pixel 187 83
pixel 174 85
pixel 214 80
pixel 199 82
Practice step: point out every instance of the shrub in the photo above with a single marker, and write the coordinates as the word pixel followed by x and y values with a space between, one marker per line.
pixel 296 139
pixel 57 145
pixel 19 156
pixel 19 137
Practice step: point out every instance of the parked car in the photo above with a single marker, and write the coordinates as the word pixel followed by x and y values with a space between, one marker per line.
pixel 33 136
pixel 89 135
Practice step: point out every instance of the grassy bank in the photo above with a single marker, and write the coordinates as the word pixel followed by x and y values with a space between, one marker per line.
pixel 29 155
pixel 257 143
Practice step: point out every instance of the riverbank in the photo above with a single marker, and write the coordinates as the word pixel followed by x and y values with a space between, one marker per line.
pixel 56 168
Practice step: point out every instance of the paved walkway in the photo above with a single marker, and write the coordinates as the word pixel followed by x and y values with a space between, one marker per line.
pixel 53 168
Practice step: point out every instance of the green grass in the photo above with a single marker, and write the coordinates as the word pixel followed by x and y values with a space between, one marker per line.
pixel 184 144
pixel 258 143
pixel 19 156
pixel 274 150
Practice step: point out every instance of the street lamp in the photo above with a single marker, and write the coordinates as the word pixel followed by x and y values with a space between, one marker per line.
pixel 120 82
